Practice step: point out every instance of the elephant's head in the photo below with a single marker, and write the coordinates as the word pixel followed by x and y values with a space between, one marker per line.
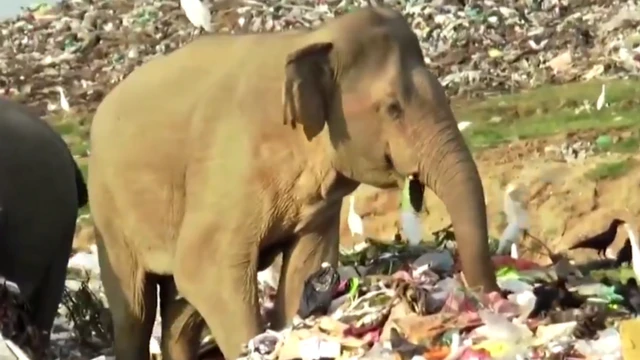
pixel 387 117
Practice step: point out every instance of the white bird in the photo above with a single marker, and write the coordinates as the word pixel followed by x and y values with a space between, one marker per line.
pixel 601 99
pixel 197 13
pixel 635 250
pixel 64 104
pixel 353 219
pixel 517 219
pixel 463 125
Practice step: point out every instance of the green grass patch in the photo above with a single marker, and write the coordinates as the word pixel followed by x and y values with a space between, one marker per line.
pixel 611 170
pixel 552 110
pixel 628 145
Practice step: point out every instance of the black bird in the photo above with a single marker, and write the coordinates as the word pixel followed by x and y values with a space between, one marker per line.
pixel 601 241
pixel 624 254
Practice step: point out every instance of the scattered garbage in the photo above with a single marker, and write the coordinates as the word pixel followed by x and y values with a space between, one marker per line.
pixel 389 300
pixel 385 300
pixel 422 311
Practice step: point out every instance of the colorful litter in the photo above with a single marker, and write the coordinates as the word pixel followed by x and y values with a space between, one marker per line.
pixel 398 305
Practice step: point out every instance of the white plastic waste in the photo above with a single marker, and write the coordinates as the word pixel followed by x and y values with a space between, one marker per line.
pixel 513 285
pixel 315 348
pixel 526 301
pixel 86 261
pixel 607 346
pixel 554 332
pixel 498 327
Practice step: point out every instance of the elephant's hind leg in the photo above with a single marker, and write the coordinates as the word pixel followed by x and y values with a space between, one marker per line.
pixel 181 324
pixel 46 299
pixel 132 318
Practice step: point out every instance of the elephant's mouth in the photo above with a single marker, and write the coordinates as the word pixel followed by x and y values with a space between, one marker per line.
pixel 416 193
pixel 416 188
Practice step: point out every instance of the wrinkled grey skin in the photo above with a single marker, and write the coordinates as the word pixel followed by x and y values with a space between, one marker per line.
pixel 41 190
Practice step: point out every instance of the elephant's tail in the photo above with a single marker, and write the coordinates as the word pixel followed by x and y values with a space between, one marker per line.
pixel 81 187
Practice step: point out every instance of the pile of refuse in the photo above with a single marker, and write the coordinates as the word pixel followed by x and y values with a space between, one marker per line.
pixel 389 301
pixel 475 47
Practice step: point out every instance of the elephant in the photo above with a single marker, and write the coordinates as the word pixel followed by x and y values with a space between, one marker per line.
pixel 212 160
pixel 41 191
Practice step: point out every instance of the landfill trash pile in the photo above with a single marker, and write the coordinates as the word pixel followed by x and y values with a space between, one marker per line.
pixel 476 49
pixel 384 300
pixel 396 300
pixel 80 331
pixel 399 301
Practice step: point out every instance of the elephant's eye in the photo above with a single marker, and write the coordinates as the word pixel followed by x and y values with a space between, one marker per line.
pixel 394 110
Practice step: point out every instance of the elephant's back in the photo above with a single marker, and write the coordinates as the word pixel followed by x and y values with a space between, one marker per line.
pixel 28 145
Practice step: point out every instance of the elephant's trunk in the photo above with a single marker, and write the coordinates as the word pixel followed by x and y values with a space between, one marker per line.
pixel 450 171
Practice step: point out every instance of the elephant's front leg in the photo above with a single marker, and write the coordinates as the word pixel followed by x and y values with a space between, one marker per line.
pixel 218 277
pixel 302 258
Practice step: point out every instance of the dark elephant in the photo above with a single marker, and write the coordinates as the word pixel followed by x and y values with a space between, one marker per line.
pixel 41 190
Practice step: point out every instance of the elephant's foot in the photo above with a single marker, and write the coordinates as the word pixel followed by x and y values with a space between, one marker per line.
pixel 181 324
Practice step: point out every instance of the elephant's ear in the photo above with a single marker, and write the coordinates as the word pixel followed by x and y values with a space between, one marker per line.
pixel 308 88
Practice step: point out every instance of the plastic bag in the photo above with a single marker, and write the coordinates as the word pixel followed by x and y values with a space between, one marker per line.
pixel 318 292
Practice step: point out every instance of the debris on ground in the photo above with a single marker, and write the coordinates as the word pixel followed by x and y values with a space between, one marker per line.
pixel 390 300
pixel 396 304
pixel 387 300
